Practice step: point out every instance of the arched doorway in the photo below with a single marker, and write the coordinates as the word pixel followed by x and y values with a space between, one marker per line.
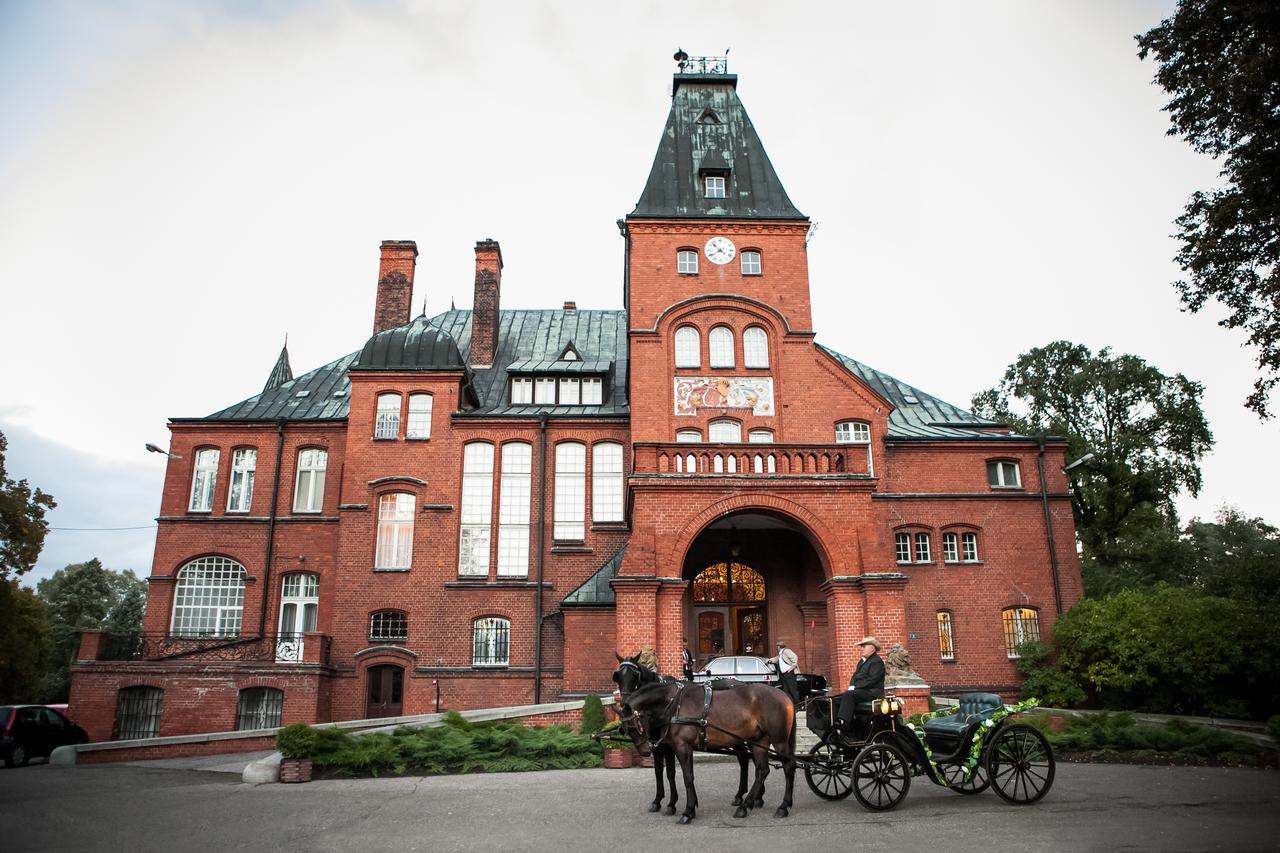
pixel 729 602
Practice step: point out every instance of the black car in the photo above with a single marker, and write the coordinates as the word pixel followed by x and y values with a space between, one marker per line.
pixel 751 668
pixel 34 731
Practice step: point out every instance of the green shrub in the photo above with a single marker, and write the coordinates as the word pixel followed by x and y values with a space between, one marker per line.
pixel 297 741
pixel 1045 681
pixel 592 714
pixel 1118 732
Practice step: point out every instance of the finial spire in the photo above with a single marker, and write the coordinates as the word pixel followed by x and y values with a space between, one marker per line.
pixel 282 372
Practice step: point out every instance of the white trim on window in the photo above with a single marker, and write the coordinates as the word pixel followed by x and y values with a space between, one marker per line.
pixel 570 491
pixel 1021 624
pixel 713 186
pixel 755 347
pixel 688 436
pixel 924 553
pixel 204 479
pixel 419 425
pixel 592 391
pixel 724 432
pixel 544 391
pixel 1003 474
pixel 476 517
pixel 950 548
pixel 386 425
pixel 688 347
pixel 244 462
pixel 395 531
pixel 720 344
pixel 388 626
pixel 969 547
pixel 491 642
pixel 750 262
pixel 308 492
pixel 513 509
pixel 607 489
pixel 521 390
pixel 760 436
pixel 902 547
pixel 687 262
pixel 570 392
pixel 208 599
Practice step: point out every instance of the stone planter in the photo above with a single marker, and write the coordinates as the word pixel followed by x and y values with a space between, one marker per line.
pixel 619 759
pixel 295 770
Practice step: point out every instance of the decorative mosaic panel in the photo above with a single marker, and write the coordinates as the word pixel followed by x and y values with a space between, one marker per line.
pixel 724 392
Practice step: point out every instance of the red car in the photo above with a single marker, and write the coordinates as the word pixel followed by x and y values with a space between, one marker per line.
pixel 34 731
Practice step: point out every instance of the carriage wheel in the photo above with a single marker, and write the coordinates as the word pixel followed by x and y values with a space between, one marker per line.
pixel 1020 764
pixel 953 775
pixel 828 773
pixel 881 777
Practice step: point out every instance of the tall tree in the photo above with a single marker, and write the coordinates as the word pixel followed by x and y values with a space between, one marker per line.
pixel 1146 430
pixel 22 524
pixel 1220 62
pixel 22 643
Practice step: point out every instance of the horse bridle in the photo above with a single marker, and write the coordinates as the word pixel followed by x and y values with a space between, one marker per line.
pixel 627 716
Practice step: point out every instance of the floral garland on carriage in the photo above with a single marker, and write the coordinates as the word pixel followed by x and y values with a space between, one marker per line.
pixel 975 747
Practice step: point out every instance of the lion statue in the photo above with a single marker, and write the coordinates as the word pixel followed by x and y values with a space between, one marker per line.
pixel 897 667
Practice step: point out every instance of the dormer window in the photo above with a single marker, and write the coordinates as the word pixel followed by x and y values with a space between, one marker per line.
pixel 714 185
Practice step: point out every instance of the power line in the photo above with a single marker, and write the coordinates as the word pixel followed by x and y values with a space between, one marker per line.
pixel 143 527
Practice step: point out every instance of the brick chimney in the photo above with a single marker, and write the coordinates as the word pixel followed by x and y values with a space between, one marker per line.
pixel 395 284
pixel 484 308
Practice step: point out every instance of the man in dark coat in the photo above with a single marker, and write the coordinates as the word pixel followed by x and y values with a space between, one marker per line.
pixel 686 663
pixel 866 684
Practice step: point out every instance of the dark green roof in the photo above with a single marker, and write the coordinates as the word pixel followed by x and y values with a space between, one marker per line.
pixel 708 129
pixel 418 346
pixel 596 591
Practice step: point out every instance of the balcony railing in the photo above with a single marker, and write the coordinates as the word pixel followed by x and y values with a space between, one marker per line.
pixel 754 460
pixel 281 648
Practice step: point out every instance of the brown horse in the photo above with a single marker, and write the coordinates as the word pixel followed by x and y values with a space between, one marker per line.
pixel 754 716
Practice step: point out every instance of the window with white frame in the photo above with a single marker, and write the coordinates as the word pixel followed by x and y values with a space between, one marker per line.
pixel 755 347
pixel 521 390
pixel 244 461
pixel 1021 625
pixel 760 436
pixel 721 344
pixel 687 262
pixel 969 547
pixel 923 553
pixel 388 626
pixel 688 347
pixel 950 548
pixel 259 708
pixel 204 478
pixel 308 492
pixel 946 643
pixel 606 482
pixel 299 601
pixel 570 392
pixel 592 391
pixel 688 436
pixel 1003 475
pixel 714 186
pixel 387 423
pixel 853 432
pixel 724 432
pixel 902 547
pixel 208 600
pixel 491 642
pixel 750 262
pixel 571 491
pixel 513 509
pixel 544 391
pixel 419 424
pixel 395 531
pixel 477 509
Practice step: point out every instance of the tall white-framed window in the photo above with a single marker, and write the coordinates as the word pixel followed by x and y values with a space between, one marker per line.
pixel 204 478
pixel 544 391
pixel 395 531
pixel 419 424
pixel 513 509
pixel 477 510
pixel 688 347
pixel 1003 475
pixel 713 186
pixel 969 547
pixel 950 547
pixel 606 482
pixel 856 432
pixel 208 600
pixel 902 547
pixel 259 708
pixel 388 626
pixel 387 423
pixel 724 432
pixel 720 341
pixel 924 553
pixel 760 436
pixel 570 392
pixel 308 492
pixel 299 602
pixel 1021 625
pixel 571 491
pixel 244 462
pixel 688 436
pixel 755 347
pixel 521 390
pixel 751 262
pixel 491 642
pixel 946 643
pixel 592 391
pixel 687 262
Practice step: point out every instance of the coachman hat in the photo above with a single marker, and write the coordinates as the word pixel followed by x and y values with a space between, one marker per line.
pixel 870 641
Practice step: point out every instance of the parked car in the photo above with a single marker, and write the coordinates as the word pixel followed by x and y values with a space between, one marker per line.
pixel 751 668
pixel 34 731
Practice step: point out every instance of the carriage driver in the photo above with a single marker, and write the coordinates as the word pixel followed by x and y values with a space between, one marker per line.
pixel 866 684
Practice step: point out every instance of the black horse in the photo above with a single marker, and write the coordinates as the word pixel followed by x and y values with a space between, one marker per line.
pixel 630 677
pixel 741 717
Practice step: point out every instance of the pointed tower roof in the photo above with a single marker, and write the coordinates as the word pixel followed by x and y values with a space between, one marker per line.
pixel 282 372
pixel 708 133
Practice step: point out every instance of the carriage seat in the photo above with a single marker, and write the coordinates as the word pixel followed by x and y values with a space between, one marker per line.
pixel 974 707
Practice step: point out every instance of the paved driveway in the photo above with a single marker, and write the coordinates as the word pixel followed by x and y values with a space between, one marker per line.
pixel 134 809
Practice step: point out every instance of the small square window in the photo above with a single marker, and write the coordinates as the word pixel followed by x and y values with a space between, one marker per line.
pixel 714 186
pixel 687 262
pixel 1004 475
pixel 751 263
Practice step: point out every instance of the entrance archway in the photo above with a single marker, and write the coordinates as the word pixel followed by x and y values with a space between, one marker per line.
pixel 730 604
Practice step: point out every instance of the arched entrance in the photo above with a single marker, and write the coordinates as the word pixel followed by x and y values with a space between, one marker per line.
pixel 755 578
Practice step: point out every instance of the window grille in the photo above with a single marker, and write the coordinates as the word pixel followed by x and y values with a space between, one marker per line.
pixel 714 186
pixel 688 347
pixel 492 642
pixel 946 645
pixel 259 708
pixel 137 713
pixel 969 542
pixel 950 548
pixel 477 510
pixel 720 340
pixel 395 531
pixel 606 482
pixel 571 491
pixel 1004 475
pixel 1021 625
pixel 308 495
pixel 755 347
pixel 387 424
pixel 902 543
pixel 244 462
pixel 513 510
pixel 388 626
pixel 751 263
pixel 209 598
pixel 922 548
pixel 419 425
pixel 687 262
pixel 728 432
pixel 204 478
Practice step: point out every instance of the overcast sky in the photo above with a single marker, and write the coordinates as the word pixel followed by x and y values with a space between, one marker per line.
pixel 182 184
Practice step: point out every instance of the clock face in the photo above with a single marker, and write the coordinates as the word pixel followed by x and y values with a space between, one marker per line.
pixel 720 250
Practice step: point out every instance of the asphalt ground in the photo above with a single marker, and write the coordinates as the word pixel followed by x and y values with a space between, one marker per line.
pixel 135 809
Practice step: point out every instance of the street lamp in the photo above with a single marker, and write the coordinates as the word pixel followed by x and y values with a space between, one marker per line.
pixel 152 448
pixel 1083 460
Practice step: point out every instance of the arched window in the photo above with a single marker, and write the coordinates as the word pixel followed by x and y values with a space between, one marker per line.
pixel 244 462
pixel 688 347
pixel 491 642
pixel 388 626
pixel 477 509
pixel 720 340
pixel 755 347
pixel 856 432
pixel 728 582
pixel 387 424
pixel 513 510
pixel 946 643
pixel 419 425
pixel 750 262
pixel 204 478
pixel 209 599
pixel 606 482
pixel 137 712
pixel 259 708
pixel 395 531
pixel 760 436
pixel 308 493
pixel 571 491
pixel 688 436
pixel 687 262
pixel 1021 625
pixel 724 432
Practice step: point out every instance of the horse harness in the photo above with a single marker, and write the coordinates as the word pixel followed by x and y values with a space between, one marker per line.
pixel 699 721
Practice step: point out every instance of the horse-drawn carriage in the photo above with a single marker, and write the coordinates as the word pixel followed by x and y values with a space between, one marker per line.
pixel 969 748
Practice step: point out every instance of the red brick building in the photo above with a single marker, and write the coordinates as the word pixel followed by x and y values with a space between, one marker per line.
pixel 483 505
